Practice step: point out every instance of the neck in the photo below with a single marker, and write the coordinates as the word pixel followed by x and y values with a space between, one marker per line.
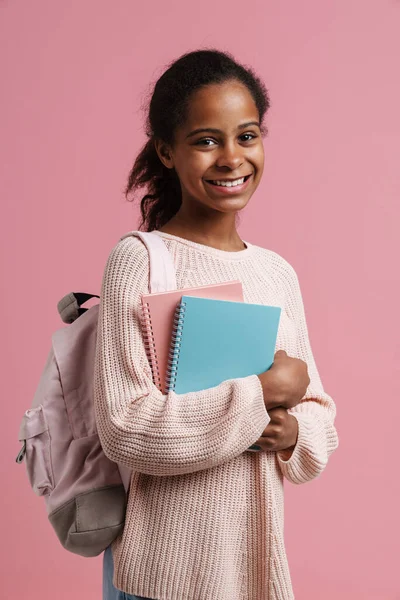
pixel 219 232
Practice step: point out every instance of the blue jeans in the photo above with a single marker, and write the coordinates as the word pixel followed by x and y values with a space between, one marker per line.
pixel 110 592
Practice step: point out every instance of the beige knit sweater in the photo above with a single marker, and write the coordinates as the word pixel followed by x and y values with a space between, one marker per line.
pixel 205 517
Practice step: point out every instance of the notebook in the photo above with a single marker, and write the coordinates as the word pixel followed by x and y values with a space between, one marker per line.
pixel 158 312
pixel 215 340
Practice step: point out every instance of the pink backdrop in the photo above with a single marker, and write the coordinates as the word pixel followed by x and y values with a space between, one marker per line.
pixel 74 74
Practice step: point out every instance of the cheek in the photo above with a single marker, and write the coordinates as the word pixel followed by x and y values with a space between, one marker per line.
pixel 259 160
pixel 194 170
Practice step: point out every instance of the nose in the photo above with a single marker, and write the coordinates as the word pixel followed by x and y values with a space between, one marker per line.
pixel 230 155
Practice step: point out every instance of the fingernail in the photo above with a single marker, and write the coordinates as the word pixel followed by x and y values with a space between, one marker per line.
pixel 254 447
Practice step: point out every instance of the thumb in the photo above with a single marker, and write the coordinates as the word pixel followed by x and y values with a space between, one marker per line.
pixel 280 353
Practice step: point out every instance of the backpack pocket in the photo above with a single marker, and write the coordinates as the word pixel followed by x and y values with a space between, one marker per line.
pixel 34 432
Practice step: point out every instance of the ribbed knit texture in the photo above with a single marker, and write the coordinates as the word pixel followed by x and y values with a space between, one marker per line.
pixel 205 517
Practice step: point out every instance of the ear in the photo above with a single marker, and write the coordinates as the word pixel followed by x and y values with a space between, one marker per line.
pixel 164 153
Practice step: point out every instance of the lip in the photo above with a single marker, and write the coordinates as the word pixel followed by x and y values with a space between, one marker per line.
pixel 236 189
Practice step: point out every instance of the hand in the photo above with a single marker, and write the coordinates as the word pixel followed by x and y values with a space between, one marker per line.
pixel 281 432
pixel 286 381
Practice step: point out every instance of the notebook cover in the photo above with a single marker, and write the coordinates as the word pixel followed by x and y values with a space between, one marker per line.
pixel 158 312
pixel 218 340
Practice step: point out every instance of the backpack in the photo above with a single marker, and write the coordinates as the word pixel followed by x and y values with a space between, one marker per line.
pixel 85 492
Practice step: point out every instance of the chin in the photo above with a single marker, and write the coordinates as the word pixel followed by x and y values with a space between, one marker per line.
pixel 230 205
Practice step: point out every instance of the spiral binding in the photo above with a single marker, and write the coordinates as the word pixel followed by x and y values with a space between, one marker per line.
pixel 173 354
pixel 149 345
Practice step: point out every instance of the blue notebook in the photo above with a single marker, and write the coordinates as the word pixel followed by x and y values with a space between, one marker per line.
pixel 215 340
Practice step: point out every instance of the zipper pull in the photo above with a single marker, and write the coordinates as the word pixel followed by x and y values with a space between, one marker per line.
pixel 21 453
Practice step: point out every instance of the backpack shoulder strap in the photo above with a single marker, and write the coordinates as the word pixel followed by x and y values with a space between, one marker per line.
pixel 162 268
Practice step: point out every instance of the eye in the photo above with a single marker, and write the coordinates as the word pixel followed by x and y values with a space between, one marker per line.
pixel 201 142
pixel 251 135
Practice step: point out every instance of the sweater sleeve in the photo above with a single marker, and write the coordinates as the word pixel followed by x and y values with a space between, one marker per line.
pixel 138 426
pixel 315 414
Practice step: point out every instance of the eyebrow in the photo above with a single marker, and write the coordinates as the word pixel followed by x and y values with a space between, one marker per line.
pixel 213 130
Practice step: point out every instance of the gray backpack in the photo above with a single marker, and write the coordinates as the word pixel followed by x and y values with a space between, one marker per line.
pixel 85 492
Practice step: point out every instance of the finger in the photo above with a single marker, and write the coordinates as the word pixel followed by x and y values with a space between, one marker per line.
pixel 270 431
pixel 264 444
pixel 281 353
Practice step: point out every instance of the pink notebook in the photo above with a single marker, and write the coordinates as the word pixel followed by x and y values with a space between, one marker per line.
pixel 158 313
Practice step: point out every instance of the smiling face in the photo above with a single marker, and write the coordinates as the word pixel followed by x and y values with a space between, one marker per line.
pixel 229 146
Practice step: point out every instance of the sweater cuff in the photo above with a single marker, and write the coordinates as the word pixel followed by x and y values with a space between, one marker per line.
pixel 261 416
pixel 310 455
pixel 258 417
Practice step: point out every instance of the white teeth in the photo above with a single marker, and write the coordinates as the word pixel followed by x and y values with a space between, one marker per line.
pixel 229 183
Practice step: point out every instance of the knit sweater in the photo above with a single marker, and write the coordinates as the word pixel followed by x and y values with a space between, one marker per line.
pixel 204 517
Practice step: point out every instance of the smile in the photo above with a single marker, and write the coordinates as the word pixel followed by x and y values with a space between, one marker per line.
pixel 230 183
pixel 229 187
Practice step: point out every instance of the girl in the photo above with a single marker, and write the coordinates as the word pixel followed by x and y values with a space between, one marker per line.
pixel 204 519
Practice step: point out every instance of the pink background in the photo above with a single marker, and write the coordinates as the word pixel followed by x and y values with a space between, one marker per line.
pixel 74 75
